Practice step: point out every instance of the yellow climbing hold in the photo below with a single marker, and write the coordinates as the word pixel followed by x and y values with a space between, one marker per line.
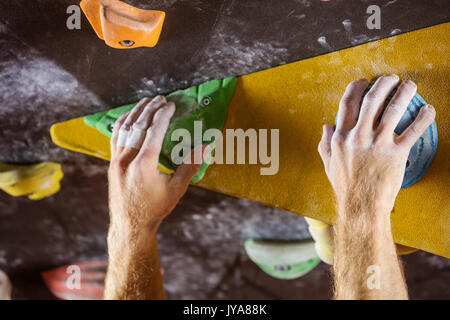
pixel 35 181
pixel 323 235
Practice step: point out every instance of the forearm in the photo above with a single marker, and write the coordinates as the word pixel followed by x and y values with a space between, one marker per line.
pixel 366 264
pixel 134 271
pixel 140 197
pixel 365 160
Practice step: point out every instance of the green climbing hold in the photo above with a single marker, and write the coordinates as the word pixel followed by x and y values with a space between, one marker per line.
pixel 207 102
pixel 283 259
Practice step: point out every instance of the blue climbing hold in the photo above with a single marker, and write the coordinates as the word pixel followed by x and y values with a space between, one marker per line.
pixel 423 151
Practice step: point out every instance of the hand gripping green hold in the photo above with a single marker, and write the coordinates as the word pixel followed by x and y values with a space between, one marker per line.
pixel 207 102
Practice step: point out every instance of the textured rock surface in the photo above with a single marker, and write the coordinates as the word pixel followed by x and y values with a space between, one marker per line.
pixel 50 74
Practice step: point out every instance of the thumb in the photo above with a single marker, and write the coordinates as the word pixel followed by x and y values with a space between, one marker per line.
pixel 189 167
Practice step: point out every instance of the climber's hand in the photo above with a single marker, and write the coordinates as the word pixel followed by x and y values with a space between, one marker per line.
pixel 364 159
pixel 140 195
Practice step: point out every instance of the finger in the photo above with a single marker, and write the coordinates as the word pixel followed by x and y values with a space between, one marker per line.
pixel 325 143
pixel 374 101
pixel 187 170
pixel 136 111
pixel 415 130
pixel 115 132
pixel 152 144
pixel 137 130
pixel 139 126
pixel 397 107
pixel 350 104
pixel 125 128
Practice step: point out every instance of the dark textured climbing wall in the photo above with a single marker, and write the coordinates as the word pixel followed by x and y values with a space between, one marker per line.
pixel 49 74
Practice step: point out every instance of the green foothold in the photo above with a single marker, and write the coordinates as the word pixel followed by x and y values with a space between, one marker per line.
pixel 283 259
pixel 207 102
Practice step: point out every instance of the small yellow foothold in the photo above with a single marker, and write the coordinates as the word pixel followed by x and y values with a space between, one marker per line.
pixel 123 26
pixel 323 235
pixel 35 181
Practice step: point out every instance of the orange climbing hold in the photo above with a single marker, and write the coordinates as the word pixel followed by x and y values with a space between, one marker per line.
pixel 123 26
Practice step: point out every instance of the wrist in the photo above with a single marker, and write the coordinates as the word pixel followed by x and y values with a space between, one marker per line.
pixel 364 215
pixel 127 241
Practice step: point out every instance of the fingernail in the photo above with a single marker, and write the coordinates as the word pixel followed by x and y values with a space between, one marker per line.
pixel 170 107
pixel 392 75
pixel 429 107
pixel 410 83
pixel 160 98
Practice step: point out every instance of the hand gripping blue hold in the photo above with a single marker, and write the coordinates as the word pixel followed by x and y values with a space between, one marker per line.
pixel 423 151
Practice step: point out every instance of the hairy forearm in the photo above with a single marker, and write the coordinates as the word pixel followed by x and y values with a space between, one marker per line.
pixel 365 159
pixel 133 271
pixel 366 264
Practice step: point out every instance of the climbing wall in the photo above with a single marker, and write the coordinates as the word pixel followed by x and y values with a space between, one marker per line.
pixel 50 74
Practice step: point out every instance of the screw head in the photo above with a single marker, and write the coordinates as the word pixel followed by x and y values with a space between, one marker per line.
pixel 206 101
pixel 283 267
pixel 127 43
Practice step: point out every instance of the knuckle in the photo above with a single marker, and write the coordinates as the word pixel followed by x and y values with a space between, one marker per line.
pixel 337 140
pixel 382 126
pixel 395 107
pixel 379 143
pixel 371 97
pixel 320 145
pixel 139 125
pixel 320 149
pixel 121 119
pixel 116 168
pixel 122 162
pixel 429 113
pixel 127 125
pixel 357 139
pixel 346 99
pixel 414 131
